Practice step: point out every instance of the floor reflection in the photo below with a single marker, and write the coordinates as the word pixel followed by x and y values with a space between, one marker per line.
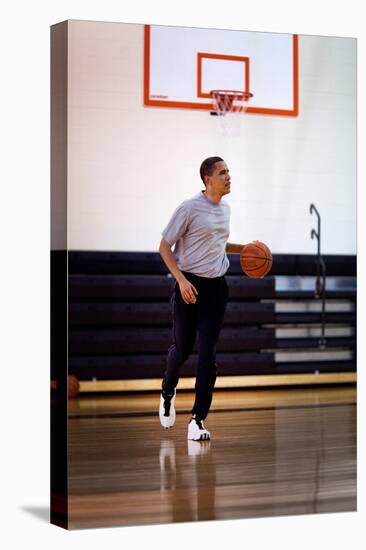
pixel 189 485
pixel 168 465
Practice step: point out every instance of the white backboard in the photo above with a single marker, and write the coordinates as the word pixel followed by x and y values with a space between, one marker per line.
pixel 182 66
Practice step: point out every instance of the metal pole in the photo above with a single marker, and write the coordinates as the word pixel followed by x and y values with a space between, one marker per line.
pixel 319 284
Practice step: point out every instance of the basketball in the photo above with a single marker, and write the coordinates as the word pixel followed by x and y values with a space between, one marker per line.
pixel 72 387
pixel 256 259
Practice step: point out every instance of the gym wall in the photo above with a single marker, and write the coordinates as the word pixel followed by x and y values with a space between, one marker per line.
pixel 129 166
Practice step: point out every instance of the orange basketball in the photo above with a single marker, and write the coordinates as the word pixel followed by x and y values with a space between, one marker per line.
pixel 256 259
pixel 72 387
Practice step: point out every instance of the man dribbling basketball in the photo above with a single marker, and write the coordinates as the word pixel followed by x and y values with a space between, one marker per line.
pixel 199 229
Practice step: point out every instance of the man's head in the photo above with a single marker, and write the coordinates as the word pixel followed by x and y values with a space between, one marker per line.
pixel 215 175
pixel 208 166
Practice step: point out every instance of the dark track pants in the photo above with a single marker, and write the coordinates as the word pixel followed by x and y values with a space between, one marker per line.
pixel 205 317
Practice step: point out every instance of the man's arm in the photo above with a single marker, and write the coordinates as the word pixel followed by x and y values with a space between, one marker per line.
pixel 186 288
pixel 166 253
pixel 232 248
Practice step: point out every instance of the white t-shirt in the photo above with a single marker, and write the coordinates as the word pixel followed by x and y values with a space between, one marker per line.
pixel 200 228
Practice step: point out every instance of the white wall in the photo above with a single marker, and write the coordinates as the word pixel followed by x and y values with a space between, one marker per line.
pixel 130 166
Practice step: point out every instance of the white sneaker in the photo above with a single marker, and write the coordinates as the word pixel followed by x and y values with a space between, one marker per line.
pixel 167 410
pixel 197 431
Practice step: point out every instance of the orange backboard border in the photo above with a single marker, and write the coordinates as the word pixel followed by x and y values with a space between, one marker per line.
pixel 236 58
pixel 148 102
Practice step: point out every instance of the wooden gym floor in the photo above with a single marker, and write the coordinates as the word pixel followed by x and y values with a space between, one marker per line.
pixel 273 452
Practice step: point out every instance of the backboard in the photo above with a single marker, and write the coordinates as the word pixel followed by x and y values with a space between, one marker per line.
pixel 182 65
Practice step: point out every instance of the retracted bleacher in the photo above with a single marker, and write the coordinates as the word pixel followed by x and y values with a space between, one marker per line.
pixel 120 323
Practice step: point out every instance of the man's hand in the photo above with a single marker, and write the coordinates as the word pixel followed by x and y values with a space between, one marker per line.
pixel 187 291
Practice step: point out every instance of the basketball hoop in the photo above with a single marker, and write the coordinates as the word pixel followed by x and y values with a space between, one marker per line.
pixel 226 104
pixel 230 101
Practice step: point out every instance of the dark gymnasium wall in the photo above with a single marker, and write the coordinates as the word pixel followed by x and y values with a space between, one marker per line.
pixel 119 317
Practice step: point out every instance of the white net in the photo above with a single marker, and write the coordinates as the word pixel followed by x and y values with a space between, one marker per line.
pixel 229 105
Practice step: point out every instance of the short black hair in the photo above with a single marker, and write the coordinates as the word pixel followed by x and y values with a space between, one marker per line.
pixel 208 166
